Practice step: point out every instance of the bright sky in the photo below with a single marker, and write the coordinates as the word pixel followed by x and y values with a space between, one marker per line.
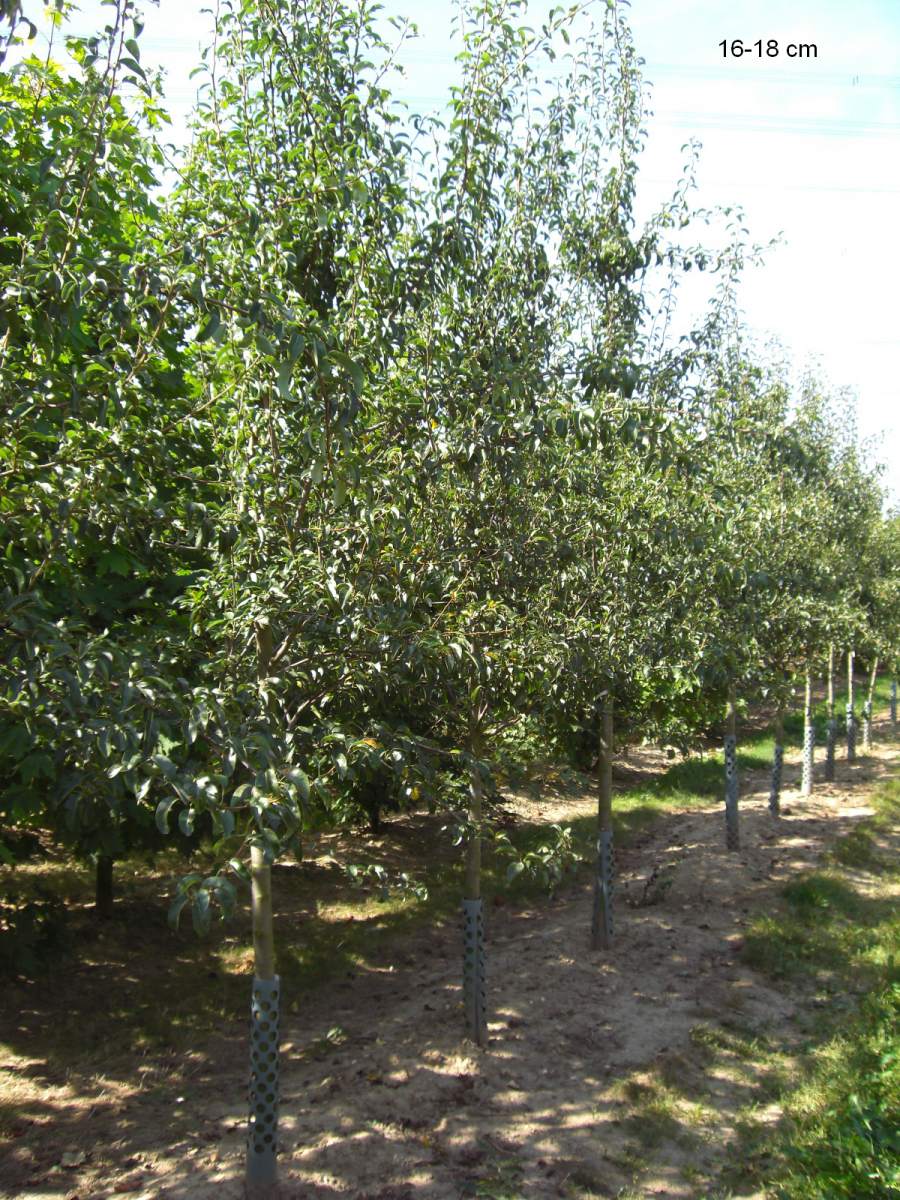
pixel 808 147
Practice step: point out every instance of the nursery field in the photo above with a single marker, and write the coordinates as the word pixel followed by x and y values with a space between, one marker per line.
pixel 663 1069
pixel 401 563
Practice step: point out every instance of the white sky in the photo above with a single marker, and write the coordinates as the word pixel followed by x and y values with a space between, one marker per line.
pixel 809 148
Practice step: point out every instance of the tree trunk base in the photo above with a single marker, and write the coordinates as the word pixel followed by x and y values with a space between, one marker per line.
pixel 732 827
pixel 261 1180
pixel 777 771
pixel 602 923
pixel 474 982
pixel 809 743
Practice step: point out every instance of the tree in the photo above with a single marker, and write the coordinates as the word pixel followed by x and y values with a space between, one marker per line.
pixel 98 501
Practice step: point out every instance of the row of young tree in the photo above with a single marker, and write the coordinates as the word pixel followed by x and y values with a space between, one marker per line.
pixel 346 443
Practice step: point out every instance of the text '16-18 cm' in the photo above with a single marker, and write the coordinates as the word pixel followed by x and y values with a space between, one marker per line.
pixel 770 49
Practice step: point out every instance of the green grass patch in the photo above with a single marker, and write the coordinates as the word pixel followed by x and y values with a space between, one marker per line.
pixel 827 929
pixel 842 1135
pixel 837 930
pixel 658 1114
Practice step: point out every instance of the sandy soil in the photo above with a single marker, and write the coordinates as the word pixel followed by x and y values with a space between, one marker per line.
pixel 383 1100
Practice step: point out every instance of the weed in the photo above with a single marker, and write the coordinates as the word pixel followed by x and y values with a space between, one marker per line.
pixel 658 1114
pixel 501 1181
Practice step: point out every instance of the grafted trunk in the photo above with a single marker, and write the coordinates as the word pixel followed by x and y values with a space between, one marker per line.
pixel 893 705
pixel 732 827
pixel 103 896
pixel 809 738
pixel 602 923
pixel 777 761
pixel 831 731
pixel 851 712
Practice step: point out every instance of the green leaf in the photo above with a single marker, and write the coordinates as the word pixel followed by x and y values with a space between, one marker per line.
pixel 200 914
pixel 162 813
pixel 165 765
pixel 211 328
pixel 285 371
pixel 36 766
pixel 176 908
pixel 239 868
pixel 114 562
pixel 299 782
pixel 133 65
pixel 351 366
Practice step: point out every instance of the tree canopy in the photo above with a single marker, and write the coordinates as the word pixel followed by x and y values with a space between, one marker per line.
pixel 351 442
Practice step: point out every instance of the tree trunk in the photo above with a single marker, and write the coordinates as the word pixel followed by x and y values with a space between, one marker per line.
pixel 831 733
pixel 732 829
pixel 809 738
pixel 851 714
pixel 893 706
pixel 867 707
pixel 263 934
pixel 103 899
pixel 602 923
pixel 474 989
pixel 261 1179
pixel 777 761
pixel 373 812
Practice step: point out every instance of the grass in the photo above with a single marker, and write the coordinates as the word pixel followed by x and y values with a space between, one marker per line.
pixel 658 1114
pixel 844 1120
pixel 499 1181
pixel 836 935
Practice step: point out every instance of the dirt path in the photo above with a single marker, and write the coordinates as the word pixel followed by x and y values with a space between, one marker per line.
pixel 382 1100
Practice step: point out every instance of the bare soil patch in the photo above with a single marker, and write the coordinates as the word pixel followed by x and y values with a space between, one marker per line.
pixel 381 1097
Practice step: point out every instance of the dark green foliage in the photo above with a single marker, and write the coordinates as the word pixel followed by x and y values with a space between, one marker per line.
pixel 32 935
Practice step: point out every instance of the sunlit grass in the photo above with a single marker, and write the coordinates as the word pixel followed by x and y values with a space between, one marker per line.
pixel 837 931
pixel 659 1113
